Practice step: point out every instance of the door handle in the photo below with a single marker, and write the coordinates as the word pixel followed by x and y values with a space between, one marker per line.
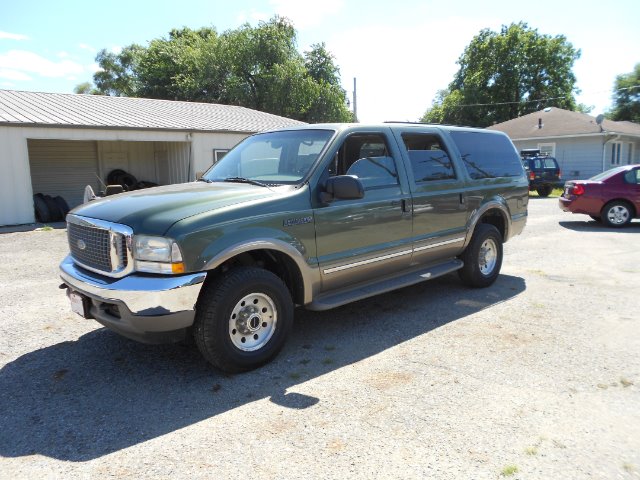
pixel 404 204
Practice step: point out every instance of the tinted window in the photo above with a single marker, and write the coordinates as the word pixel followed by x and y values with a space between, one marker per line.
pixel 487 155
pixel 428 157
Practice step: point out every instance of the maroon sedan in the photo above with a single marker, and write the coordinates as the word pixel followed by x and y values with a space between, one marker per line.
pixel 612 197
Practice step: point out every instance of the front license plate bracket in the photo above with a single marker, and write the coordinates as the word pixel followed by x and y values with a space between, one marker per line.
pixel 80 304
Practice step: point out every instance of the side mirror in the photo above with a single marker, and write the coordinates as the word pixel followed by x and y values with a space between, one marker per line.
pixel 342 187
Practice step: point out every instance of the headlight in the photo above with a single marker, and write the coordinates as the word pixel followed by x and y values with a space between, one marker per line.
pixel 157 255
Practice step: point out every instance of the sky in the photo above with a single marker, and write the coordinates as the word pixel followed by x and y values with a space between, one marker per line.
pixel 401 52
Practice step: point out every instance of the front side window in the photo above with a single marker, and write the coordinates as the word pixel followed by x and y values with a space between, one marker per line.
pixel 366 156
pixel 274 158
pixel 487 155
pixel 428 157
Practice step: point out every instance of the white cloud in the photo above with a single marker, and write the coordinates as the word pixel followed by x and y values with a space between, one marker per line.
pixel 89 48
pixel 115 49
pixel 22 61
pixel 14 75
pixel 63 55
pixel 93 68
pixel 12 36
pixel 304 15
pixel 400 69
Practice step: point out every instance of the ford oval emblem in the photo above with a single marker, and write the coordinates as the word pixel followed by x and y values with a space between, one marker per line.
pixel 81 244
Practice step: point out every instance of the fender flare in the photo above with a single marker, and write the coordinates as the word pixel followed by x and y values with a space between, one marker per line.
pixel 310 275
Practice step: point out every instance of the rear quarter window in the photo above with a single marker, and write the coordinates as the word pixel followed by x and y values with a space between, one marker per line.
pixel 487 155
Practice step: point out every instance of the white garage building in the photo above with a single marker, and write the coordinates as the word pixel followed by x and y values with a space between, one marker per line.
pixel 56 144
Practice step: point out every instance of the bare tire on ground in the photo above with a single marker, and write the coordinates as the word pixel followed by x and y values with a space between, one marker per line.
pixel 616 213
pixel 482 258
pixel 242 319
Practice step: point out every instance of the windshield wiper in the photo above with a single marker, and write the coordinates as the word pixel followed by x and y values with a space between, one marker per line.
pixel 245 180
pixel 204 180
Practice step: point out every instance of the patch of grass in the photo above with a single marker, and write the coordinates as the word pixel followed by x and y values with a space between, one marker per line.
pixel 531 450
pixel 328 361
pixel 329 348
pixel 304 361
pixel 295 375
pixel 556 192
pixel 509 470
pixel 629 467
pixel 603 386
pixel 46 228
pixel 625 383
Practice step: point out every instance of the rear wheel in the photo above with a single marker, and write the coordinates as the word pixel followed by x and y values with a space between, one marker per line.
pixel 242 319
pixel 482 258
pixel 544 191
pixel 616 214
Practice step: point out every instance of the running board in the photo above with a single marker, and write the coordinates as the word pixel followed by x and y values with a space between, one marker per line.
pixel 359 292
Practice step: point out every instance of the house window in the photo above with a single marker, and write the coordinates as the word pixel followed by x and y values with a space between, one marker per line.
pixel 615 153
pixel 630 153
pixel 218 154
pixel 547 149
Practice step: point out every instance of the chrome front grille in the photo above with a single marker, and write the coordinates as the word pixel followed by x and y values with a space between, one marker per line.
pixel 100 246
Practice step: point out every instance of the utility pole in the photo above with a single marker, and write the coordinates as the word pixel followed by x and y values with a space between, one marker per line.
pixel 355 101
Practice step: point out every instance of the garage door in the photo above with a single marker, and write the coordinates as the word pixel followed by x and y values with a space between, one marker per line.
pixel 63 167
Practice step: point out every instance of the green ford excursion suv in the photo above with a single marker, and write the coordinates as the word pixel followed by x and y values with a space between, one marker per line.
pixel 315 216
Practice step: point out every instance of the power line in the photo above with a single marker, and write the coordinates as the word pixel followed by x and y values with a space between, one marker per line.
pixel 530 101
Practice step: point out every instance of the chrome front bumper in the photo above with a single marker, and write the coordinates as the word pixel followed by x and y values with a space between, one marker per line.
pixel 147 308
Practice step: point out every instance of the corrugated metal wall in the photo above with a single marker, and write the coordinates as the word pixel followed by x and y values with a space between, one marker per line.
pixel 176 162
pixel 63 167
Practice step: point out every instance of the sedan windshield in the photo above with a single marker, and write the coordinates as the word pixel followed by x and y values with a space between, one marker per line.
pixel 275 158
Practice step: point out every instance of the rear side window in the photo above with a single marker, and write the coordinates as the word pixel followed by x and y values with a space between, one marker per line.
pixel 632 176
pixel 429 159
pixel 487 155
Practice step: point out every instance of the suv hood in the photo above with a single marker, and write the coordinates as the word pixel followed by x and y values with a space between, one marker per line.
pixel 154 210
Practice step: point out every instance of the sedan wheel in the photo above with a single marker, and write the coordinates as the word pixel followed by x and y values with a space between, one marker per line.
pixel 616 214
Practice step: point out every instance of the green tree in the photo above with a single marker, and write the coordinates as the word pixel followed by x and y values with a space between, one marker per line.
pixel 505 75
pixel 257 67
pixel 320 65
pixel 175 67
pixel 86 88
pixel 117 75
pixel 626 97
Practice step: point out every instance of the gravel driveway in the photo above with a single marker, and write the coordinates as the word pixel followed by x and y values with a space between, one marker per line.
pixel 536 377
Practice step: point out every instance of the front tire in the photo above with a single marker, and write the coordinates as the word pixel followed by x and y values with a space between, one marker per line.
pixel 616 214
pixel 242 319
pixel 482 258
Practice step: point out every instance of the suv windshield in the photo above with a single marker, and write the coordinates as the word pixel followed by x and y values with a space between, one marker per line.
pixel 274 158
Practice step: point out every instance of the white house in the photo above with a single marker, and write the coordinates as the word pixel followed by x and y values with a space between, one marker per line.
pixel 583 145
pixel 56 144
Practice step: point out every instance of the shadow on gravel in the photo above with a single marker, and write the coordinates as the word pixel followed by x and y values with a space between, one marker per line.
pixel 83 399
pixel 593 226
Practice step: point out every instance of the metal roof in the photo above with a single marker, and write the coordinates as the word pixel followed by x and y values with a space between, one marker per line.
pixel 557 122
pixel 97 111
